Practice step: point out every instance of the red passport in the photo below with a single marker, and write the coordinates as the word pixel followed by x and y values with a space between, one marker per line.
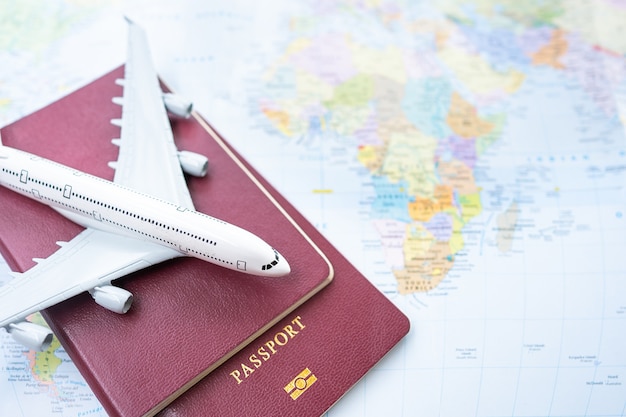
pixel 342 332
pixel 189 317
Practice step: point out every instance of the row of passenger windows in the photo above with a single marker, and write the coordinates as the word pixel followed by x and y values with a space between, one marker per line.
pixel 24 178
pixel 144 219
pixel 110 207
pixel 17 174
pixel 52 200
pixel 54 187
pixel 211 257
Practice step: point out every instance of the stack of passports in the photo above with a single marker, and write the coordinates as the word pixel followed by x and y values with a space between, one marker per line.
pixel 201 339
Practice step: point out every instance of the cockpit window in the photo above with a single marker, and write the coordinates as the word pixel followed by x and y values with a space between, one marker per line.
pixel 271 264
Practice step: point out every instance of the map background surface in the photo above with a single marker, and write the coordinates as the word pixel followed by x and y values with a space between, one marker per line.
pixel 529 319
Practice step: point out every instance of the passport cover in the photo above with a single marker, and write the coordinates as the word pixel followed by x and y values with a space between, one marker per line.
pixel 188 316
pixel 305 363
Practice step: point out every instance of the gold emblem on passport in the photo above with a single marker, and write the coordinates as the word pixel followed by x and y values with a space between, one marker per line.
pixel 300 383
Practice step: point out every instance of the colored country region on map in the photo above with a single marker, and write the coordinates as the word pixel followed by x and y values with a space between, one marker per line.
pixel 280 119
pixel 408 156
pixel 371 156
pixel 355 92
pixel 458 176
pixel 44 365
pixel 470 206
pixel 423 209
pixel 388 61
pixel 441 226
pixel 454 147
pixel 366 135
pixel 389 118
pixel 483 142
pixel 347 121
pixel 551 53
pixel 325 56
pixel 427 260
pixel 464 120
pixel 293 103
pixel 391 200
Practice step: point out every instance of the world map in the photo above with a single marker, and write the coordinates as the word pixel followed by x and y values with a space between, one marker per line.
pixel 468 157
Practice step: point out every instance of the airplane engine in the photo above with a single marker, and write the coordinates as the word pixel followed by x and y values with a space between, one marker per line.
pixel 193 163
pixel 31 335
pixel 113 298
pixel 177 105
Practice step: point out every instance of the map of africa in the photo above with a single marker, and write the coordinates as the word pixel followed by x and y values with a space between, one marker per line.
pixel 468 157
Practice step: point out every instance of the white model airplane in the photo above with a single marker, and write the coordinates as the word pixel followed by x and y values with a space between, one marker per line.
pixel 145 216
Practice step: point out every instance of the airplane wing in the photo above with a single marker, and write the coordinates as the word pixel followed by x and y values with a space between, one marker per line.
pixel 148 158
pixel 147 162
pixel 91 259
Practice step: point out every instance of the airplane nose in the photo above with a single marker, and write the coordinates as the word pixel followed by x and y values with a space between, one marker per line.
pixel 283 267
pixel 276 267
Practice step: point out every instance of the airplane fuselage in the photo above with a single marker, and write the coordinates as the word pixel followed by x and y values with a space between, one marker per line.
pixel 100 204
